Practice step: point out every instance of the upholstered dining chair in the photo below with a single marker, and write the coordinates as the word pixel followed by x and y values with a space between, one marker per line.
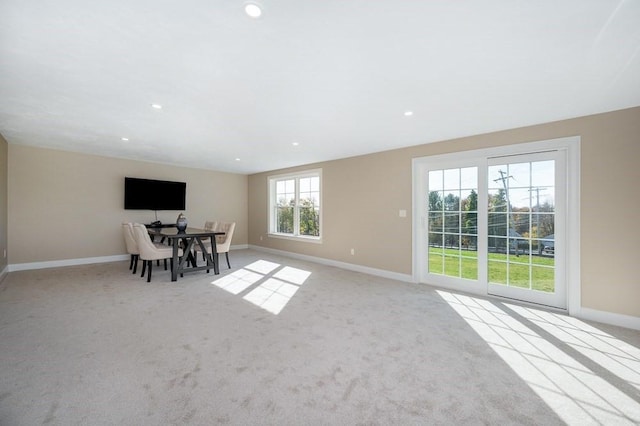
pixel 150 251
pixel 132 246
pixel 223 242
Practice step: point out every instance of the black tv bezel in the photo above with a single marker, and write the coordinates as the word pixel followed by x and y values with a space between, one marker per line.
pixel 154 194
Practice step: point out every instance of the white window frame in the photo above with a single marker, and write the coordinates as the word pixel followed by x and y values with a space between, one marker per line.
pixel 271 193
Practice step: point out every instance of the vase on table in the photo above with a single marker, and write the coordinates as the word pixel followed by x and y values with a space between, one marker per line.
pixel 181 223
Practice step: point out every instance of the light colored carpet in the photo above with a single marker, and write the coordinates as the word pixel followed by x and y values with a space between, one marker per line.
pixel 96 345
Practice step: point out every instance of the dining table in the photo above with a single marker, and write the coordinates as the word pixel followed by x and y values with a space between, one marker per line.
pixel 188 239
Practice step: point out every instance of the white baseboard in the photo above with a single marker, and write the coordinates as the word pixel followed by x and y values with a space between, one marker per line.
pixel 605 317
pixel 4 273
pixel 348 266
pixel 81 261
pixel 67 262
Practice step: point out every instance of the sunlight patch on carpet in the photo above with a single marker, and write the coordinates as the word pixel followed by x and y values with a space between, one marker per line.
pixel 275 285
pixel 554 366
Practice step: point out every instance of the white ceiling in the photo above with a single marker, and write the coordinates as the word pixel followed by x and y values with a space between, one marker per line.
pixel 335 76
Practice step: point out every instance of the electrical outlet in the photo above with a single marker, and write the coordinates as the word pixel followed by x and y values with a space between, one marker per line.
pixel 402 213
pixel 260 237
pixel 5 253
pixel 353 252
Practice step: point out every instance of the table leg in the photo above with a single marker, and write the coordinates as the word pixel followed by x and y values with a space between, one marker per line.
pixel 214 255
pixel 176 263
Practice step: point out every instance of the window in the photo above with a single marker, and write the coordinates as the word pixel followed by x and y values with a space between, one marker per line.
pixel 294 205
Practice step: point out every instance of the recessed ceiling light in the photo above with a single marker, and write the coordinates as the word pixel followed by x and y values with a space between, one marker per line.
pixel 237 159
pixel 408 113
pixel 295 144
pixel 124 139
pixel 253 10
pixel 156 106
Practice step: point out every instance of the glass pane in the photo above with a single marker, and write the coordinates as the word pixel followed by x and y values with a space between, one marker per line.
pixel 496 175
pixel 452 241
pixel 518 275
pixel 309 221
pixel 315 184
pixel 469 246
pixel 469 178
pixel 468 200
pixel 470 223
pixel 543 279
pixel 545 226
pixel 290 186
pixel 435 201
pixel 452 222
pixel 284 220
pixel 520 224
pixel 452 179
pixel 469 268
pixel 436 262
pixel 519 175
pixel 435 180
pixel 497 224
pixel 436 222
pixel 305 184
pixel 497 272
pixel 497 200
pixel 543 173
pixel 520 199
pixel 435 239
pixel 452 266
pixel 452 201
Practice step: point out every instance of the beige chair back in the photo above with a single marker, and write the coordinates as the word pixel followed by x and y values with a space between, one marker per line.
pixel 223 242
pixel 129 239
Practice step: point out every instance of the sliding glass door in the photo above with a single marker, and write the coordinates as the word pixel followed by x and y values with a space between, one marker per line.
pixel 495 225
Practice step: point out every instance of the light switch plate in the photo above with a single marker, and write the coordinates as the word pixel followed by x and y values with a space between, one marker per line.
pixel 402 213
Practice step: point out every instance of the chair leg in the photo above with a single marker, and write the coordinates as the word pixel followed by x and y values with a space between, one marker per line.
pixel 135 263
pixel 131 262
pixel 226 254
pixel 165 264
pixel 144 267
pixel 150 268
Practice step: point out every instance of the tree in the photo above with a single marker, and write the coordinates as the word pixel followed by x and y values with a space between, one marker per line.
pixel 285 216
pixel 309 218
pixel 435 201
pixel 470 217
pixel 498 220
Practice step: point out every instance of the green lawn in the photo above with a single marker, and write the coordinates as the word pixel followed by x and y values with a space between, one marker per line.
pixel 508 270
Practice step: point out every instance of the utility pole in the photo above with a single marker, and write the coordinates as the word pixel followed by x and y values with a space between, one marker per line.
pixel 503 177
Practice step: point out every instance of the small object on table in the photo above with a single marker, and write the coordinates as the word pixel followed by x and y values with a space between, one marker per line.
pixel 181 223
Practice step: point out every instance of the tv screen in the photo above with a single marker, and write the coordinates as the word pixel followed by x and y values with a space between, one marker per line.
pixel 149 194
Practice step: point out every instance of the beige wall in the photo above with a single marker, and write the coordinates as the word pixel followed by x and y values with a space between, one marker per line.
pixel 3 202
pixel 65 205
pixel 362 196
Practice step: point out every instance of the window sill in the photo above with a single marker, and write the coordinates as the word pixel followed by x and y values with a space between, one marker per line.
pixel 301 238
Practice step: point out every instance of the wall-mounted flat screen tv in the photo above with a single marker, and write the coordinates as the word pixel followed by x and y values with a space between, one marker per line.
pixel 149 194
